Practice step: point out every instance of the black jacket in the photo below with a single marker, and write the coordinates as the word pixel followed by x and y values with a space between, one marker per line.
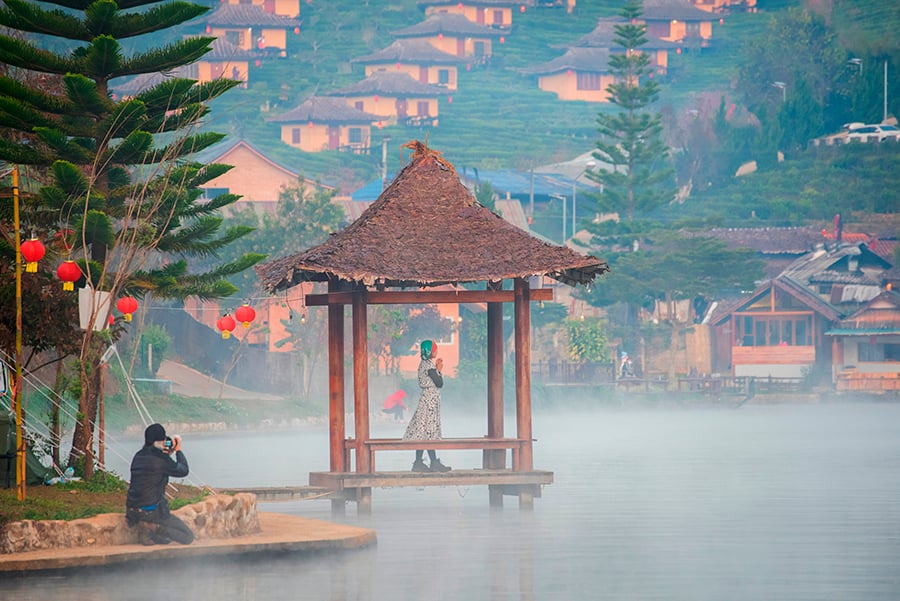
pixel 150 471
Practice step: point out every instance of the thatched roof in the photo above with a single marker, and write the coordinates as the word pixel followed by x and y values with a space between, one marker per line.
pixel 426 229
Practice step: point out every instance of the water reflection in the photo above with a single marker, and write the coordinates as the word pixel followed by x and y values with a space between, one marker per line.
pixel 765 502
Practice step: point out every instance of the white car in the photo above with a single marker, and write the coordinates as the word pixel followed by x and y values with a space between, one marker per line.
pixel 879 132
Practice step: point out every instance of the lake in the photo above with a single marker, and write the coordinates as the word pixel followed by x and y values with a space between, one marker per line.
pixel 764 502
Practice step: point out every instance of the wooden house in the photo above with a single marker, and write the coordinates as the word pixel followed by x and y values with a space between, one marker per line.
pixel 381 259
pixel 325 123
pixel 249 27
pixel 418 59
pixel 678 21
pixel 282 8
pixel 493 13
pixel 396 95
pixel 579 74
pixel 603 36
pixel 456 35
pixel 866 355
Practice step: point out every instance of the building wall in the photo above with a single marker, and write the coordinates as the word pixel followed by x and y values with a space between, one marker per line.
pixel 387 105
pixel 237 70
pixel 433 72
pixel 565 86
pixel 248 38
pixel 255 179
pixel 460 47
pixel 315 137
pixel 284 8
pixel 500 16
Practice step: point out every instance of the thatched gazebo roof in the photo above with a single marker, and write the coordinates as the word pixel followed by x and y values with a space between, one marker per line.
pixel 427 229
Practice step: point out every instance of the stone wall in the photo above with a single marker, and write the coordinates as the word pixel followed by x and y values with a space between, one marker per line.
pixel 217 516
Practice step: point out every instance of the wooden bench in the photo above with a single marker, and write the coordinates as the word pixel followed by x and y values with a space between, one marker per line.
pixel 398 444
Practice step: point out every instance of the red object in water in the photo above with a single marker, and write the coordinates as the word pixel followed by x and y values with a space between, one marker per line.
pixel 395 399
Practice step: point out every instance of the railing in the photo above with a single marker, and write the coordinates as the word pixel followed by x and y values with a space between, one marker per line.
pixel 747 385
pixel 573 372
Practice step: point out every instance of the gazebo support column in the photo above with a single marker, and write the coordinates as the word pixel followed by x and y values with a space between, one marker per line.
pixel 361 392
pixel 336 410
pixel 495 459
pixel 522 311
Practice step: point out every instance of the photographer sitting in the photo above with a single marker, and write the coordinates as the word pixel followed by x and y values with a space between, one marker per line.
pixel 146 503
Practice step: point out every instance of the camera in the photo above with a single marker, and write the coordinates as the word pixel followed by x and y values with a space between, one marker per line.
pixel 169 443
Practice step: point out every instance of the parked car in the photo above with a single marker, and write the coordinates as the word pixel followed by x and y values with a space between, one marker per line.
pixel 879 132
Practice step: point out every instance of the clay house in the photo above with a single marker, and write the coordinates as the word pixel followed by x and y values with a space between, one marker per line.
pixel 493 13
pixel 395 95
pixel 604 34
pixel 327 123
pixel 866 354
pixel 456 35
pixel 418 59
pixel 779 329
pixel 257 178
pixel 678 21
pixel 282 8
pixel 251 28
pixel 224 60
pixel 725 6
pixel 579 74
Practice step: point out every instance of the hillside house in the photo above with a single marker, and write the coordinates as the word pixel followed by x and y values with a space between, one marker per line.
pixel 456 35
pixel 493 13
pixel 725 6
pixel 396 95
pixel 282 8
pixel 866 354
pixel 224 60
pixel 418 59
pixel 257 178
pixel 678 21
pixel 604 34
pixel 249 27
pixel 579 74
pixel 324 123
pixel 139 83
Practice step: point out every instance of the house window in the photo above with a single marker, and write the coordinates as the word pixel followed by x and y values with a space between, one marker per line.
pixel 422 109
pixel 450 337
pixel 359 105
pixel 295 135
pixel 588 81
pixel 234 37
pixel 879 352
pixel 355 135
pixel 498 18
pixel 772 330
pixel 214 192
pixel 444 76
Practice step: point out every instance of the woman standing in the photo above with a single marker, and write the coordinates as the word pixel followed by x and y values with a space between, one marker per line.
pixel 426 421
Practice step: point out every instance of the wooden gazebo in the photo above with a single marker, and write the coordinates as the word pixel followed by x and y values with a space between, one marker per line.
pixel 427 230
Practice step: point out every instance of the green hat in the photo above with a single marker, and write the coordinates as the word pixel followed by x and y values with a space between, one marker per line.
pixel 425 350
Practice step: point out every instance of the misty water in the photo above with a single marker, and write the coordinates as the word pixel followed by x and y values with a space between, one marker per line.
pixel 764 502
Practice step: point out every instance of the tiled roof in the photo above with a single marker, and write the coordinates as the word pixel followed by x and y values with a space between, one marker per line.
pixel 447 23
pixel 881 315
pixel 767 240
pixel 803 294
pixel 666 10
pixel 819 262
pixel 390 83
pixel 413 51
pixel 426 229
pixel 244 15
pixel 604 36
pixel 223 50
pixel 591 60
pixel 324 109
pixel 144 81
pixel 509 3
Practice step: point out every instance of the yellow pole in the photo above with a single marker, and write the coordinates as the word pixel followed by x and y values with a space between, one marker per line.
pixel 17 395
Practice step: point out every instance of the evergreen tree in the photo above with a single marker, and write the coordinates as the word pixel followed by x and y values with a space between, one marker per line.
pixel 117 173
pixel 640 177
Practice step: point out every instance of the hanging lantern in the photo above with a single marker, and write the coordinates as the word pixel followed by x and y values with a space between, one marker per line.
pixel 127 305
pixel 208 29
pixel 296 31
pixel 69 272
pixel 226 324
pixel 449 99
pixel 522 9
pixel 32 251
pixel 245 314
pixel 256 63
pixel 502 39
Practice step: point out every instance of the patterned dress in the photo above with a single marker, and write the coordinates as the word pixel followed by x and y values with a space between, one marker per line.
pixel 426 421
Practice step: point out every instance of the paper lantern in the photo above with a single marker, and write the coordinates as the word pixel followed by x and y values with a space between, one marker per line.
pixel 296 31
pixel 127 305
pixel 522 8
pixel 502 39
pixel 69 272
pixel 245 314
pixel 226 324
pixel 32 251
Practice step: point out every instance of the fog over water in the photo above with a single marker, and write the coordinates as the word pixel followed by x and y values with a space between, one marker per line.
pixel 764 502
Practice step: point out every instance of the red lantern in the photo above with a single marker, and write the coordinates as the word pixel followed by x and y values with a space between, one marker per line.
pixel 310 124
pixel 32 251
pixel 375 97
pixel 522 8
pixel 256 63
pixel 398 66
pixel 69 272
pixel 449 99
pixel 502 40
pixel 208 29
pixel 440 36
pixel 245 314
pixel 127 305
pixel 296 31
pixel 226 324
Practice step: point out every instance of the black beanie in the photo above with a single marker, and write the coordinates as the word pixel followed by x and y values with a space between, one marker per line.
pixel 153 433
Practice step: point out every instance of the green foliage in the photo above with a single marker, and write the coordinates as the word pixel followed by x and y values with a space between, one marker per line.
pixel 159 338
pixel 587 340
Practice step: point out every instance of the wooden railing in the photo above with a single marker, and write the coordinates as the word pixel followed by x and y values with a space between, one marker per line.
pixel 398 444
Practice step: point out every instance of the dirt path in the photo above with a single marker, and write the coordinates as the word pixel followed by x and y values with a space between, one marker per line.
pixel 189 382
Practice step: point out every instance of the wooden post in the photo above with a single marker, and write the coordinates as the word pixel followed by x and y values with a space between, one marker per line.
pixel 336 408
pixel 361 378
pixel 495 459
pixel 522 310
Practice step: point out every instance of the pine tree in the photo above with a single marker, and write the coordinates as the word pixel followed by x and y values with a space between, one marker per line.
pixel 639 177
pixel 116 173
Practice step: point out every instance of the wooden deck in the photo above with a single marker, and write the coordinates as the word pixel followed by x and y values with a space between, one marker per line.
pixel 356 486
